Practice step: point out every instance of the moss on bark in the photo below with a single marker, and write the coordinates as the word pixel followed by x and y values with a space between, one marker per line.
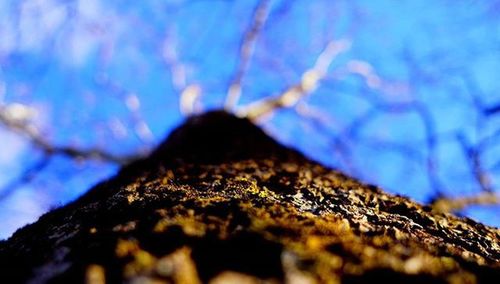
pixel 221 202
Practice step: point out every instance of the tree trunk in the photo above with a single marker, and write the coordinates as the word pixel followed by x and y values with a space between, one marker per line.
pixel 221 202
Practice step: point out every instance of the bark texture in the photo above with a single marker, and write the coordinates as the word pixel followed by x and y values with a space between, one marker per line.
pixel 221 202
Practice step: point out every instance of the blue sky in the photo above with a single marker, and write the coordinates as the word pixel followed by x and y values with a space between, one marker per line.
pixel 107 74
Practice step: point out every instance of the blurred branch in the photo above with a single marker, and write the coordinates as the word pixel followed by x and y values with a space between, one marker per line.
pixel 473 155
pixel 324 124
pixel 492 110
pixel 25 177
pixel 132 103
pixel 189 94
pixel 308 83
pixel 449 205
pixel 16 118
pixel 189 97
pixel 247 47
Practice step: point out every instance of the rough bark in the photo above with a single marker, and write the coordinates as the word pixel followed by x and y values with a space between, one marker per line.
pixel 221 202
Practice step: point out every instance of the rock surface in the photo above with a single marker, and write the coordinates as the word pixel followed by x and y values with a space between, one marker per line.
pixel 221 202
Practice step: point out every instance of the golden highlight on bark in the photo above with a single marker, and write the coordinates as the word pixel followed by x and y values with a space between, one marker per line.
pixel 221 202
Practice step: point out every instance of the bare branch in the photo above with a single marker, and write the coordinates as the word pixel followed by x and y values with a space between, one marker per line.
pixel 473 155
pixel 189 97
pixel 492 110
pixel 366 71
pixel 325 125
pixel 189 94
pixel 133 104
pixel 448 205
pixel 25 177
pixel 17 122
pixel 247 46
pixel 308 83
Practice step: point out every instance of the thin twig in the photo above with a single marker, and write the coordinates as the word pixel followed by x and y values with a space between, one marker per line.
pixel 25 177
pixel 31 132
pixel 247 47
pixel 133 104
pixel 448 204
pixel 308 83
pixel 189 94
pixel 188 99
pixel 473 155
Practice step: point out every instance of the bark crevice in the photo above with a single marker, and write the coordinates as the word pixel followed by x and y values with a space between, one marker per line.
pixel 220 200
